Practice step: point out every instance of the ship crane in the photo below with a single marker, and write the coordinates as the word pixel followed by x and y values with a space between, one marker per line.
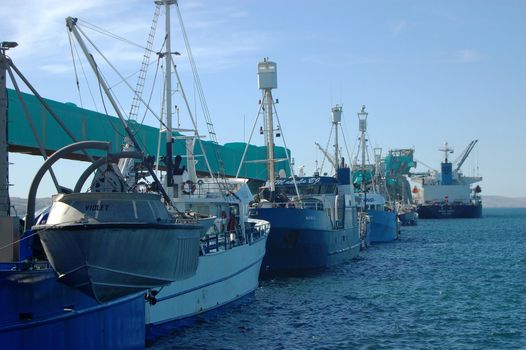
pixel 327 156
pixel 464 155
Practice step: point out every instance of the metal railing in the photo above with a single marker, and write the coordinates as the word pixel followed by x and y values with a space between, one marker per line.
pixel 293 204
pixel 215 242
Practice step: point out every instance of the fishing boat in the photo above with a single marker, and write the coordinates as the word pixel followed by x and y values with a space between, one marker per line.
pixel 231 249
pixel 229 263
pixel 370 190
pixel 407 215
pixel 313 218
pixel 448 193
pixel 398 164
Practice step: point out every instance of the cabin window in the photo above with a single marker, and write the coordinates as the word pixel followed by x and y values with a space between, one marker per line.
pixel 116 211
pixel 328 188
pixel 144 211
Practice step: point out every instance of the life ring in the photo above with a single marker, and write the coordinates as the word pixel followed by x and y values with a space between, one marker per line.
pixel 188 187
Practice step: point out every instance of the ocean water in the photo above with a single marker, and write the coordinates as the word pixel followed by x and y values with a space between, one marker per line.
pixel 448 284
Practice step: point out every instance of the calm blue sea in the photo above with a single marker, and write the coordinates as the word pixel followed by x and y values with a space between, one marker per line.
pixel 448 284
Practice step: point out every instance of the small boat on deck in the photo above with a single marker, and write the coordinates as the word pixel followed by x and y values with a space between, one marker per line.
pixel 114 244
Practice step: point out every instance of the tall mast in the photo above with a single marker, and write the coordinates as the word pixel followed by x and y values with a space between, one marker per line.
pixel 267 80
pixel 446 151
pixel 168 90
pixel 362 120
pixel 5 205
pixel 336 119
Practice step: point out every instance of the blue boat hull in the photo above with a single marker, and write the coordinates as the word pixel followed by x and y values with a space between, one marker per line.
pixel 449 211
pixel 384 226
pixel 40 313
pixel 303 240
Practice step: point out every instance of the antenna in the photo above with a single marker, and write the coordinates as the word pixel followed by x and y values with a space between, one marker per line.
pixel 446 150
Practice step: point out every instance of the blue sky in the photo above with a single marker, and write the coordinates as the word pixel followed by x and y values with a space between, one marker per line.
pixel 428 71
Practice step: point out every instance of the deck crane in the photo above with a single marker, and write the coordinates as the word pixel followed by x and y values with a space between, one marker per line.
pixel 464 155
pixel 329 158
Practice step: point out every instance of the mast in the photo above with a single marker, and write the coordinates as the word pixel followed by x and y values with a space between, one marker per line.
pixel 362 121
pixel 446 151
pixel 336 119
pixel 5 205
pixel 168 91
pixel 267 80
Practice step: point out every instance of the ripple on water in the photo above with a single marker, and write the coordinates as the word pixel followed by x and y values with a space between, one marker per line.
pixel 455 284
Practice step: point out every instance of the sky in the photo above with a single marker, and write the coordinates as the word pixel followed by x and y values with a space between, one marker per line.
pixel 428 72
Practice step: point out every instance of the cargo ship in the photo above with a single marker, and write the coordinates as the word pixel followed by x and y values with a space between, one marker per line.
pixel 448 193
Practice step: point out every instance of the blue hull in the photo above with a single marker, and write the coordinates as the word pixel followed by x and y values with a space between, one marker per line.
pixel 40 313
pixel 449 211
pixel 303 240
pixel 383 226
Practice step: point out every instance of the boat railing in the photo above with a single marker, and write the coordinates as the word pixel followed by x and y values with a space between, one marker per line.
pixel 228 239
pixel 313 205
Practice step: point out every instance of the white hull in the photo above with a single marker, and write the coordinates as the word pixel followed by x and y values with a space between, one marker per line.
pixel 221 278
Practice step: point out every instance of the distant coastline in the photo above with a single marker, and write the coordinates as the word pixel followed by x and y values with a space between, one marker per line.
pixel 503 202
pixel 20 204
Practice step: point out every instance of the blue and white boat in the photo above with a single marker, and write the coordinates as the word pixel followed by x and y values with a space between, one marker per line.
pixel 230 258
pixel 368 182
pixel 313 219
pixel 383 221
pixel 313 230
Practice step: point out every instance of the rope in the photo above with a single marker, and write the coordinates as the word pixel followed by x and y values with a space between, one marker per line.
pixel 35 233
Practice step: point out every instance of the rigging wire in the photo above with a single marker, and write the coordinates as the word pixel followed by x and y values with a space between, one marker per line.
pixel 326 148
pixel 286 153
pixel 72 42
pixel 102 31
pixel 204 105
pixel 118 73
pixel 249 138
pixel 74 68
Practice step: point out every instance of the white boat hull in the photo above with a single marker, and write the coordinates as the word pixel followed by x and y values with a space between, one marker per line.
pixel 221 278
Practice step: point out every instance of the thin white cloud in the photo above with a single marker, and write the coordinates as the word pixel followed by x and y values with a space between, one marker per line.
pixel 397 27
pixel 461 56
pixel 468 56
pixel 56 68
pixel 345 59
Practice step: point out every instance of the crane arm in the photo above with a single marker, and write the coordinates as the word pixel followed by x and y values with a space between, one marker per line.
pixel 427 166
pixel 327 156
pixel 465 154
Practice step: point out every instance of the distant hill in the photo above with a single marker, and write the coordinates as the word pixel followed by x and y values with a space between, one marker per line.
pixel 503 202
pixel 20 205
